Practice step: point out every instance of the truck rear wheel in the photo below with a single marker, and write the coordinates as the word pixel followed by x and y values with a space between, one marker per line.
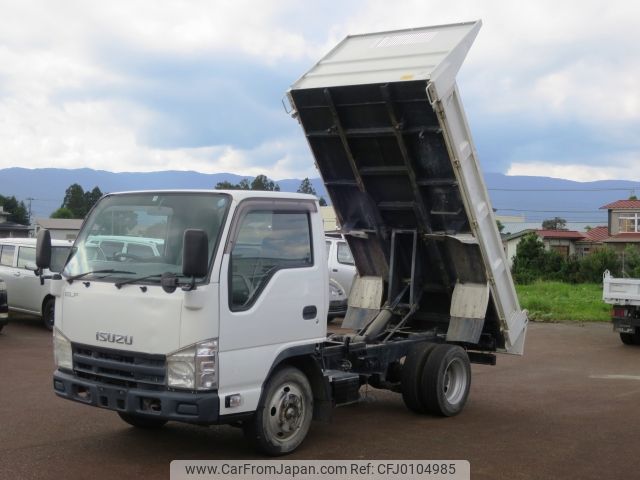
pixel 446 380
pixel 283 417
pixel 142 421
pixel 411 378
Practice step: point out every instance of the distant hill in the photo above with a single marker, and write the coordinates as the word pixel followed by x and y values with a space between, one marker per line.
pixel 46 186
pixel 578 202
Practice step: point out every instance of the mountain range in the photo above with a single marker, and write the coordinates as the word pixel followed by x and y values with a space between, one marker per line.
pixel 534 198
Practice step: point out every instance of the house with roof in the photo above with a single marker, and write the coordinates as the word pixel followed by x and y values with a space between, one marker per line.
pixel 593 238
pixel 59 228
pixel 11 229
pixel 562 241
pixel 623 224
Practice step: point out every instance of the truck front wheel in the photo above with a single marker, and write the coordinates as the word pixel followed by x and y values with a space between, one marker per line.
pixel 142 421
pixel 284 414
pixel 48 313
pixel 446 380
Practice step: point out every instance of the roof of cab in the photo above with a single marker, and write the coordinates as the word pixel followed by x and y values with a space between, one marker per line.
pixel 31 242
pixel 236 194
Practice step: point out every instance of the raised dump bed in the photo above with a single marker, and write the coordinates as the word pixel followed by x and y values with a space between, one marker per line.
pixel 384 120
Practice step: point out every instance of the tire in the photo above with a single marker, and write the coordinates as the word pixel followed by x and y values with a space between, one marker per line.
pixel 411 376
pixel 48 313
pixel 446 380
pixel 630 338
pixel 142 421
pixel 284 414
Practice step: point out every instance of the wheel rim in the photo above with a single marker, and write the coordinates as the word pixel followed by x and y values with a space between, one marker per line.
pixel 455 381
pixel 286 412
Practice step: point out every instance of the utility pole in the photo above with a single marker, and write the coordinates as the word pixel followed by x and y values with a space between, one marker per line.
pixel 30 199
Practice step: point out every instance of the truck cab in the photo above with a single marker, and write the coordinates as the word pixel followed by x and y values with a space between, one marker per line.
pixel 139 335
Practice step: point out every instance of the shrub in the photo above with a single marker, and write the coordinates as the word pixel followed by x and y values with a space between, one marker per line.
pixel 631 262
pixel 593 265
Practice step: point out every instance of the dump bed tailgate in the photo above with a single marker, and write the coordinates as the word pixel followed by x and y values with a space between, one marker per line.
pixel 620 291
pixel 385 123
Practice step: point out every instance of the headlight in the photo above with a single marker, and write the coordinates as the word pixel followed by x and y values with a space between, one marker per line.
pixel 62 354
pixel 335 291
pixel 194 367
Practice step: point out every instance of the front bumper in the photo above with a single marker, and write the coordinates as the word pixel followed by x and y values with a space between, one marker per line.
pixel 200 408
pixel 337 308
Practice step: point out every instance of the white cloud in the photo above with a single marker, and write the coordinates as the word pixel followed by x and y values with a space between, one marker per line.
pixel 577 172
pixel 546 61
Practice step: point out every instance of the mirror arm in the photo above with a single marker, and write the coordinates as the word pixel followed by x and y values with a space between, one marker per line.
pixel 55 276
pixel 190 286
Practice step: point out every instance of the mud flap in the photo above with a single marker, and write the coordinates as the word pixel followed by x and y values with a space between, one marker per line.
pixel 468 310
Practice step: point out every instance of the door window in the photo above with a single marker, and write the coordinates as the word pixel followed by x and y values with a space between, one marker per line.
pixel 6 255
pixel 344 254
pixel 267 241
pixel 26 257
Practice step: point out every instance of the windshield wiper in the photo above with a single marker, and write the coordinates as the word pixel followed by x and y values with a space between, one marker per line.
pixel 136 280
pixel 108 270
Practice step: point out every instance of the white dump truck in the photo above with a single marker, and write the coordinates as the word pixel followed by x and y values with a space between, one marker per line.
pixel 624 296
pixel 223 319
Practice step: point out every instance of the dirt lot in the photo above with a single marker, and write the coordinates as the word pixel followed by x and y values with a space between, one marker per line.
pixel 570 408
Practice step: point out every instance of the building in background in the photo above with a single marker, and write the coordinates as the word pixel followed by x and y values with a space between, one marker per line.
pixel 11 229
pixel 623 225
pixel 60 228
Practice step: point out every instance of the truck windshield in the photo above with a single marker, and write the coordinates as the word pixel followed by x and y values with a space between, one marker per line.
pixel 141 234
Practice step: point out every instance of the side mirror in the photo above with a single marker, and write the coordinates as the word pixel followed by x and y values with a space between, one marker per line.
pixel 43 250
pixel 195 254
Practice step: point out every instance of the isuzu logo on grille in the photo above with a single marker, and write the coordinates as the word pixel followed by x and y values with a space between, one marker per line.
pixel 114 338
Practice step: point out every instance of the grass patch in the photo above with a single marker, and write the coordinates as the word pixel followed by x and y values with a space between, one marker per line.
pixel 556 301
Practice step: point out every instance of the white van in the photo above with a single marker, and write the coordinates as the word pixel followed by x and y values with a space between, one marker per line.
pixel 24 291
pixel 342 272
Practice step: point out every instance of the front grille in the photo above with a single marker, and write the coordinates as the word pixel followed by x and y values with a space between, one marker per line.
pixel 118 367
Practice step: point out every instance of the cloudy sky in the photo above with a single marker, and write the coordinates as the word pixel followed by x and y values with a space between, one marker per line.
pixel 550 88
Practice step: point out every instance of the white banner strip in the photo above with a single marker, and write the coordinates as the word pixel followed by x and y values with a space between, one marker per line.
pixel 320 469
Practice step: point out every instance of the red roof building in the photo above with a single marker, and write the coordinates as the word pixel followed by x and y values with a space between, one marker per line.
pixel 568 234
pixel 624 223
pixel 597 234
pixel 622 205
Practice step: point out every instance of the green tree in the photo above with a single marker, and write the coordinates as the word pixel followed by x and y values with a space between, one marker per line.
pixel 631 262
pixel 555 223
pixel 62 212
pixel 91 198
pixel 262 182
pixel 529 261
pixel 17 210
pixel 500 226
pixel 79 202
pixel 226 185
pixel 307 187
pixel 593 265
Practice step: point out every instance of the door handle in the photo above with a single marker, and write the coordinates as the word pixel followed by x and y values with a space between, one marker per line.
pixel 309 312
pixel 335 270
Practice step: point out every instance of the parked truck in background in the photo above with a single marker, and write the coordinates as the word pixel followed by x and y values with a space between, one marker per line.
pixel 227 324
pixel 624 296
